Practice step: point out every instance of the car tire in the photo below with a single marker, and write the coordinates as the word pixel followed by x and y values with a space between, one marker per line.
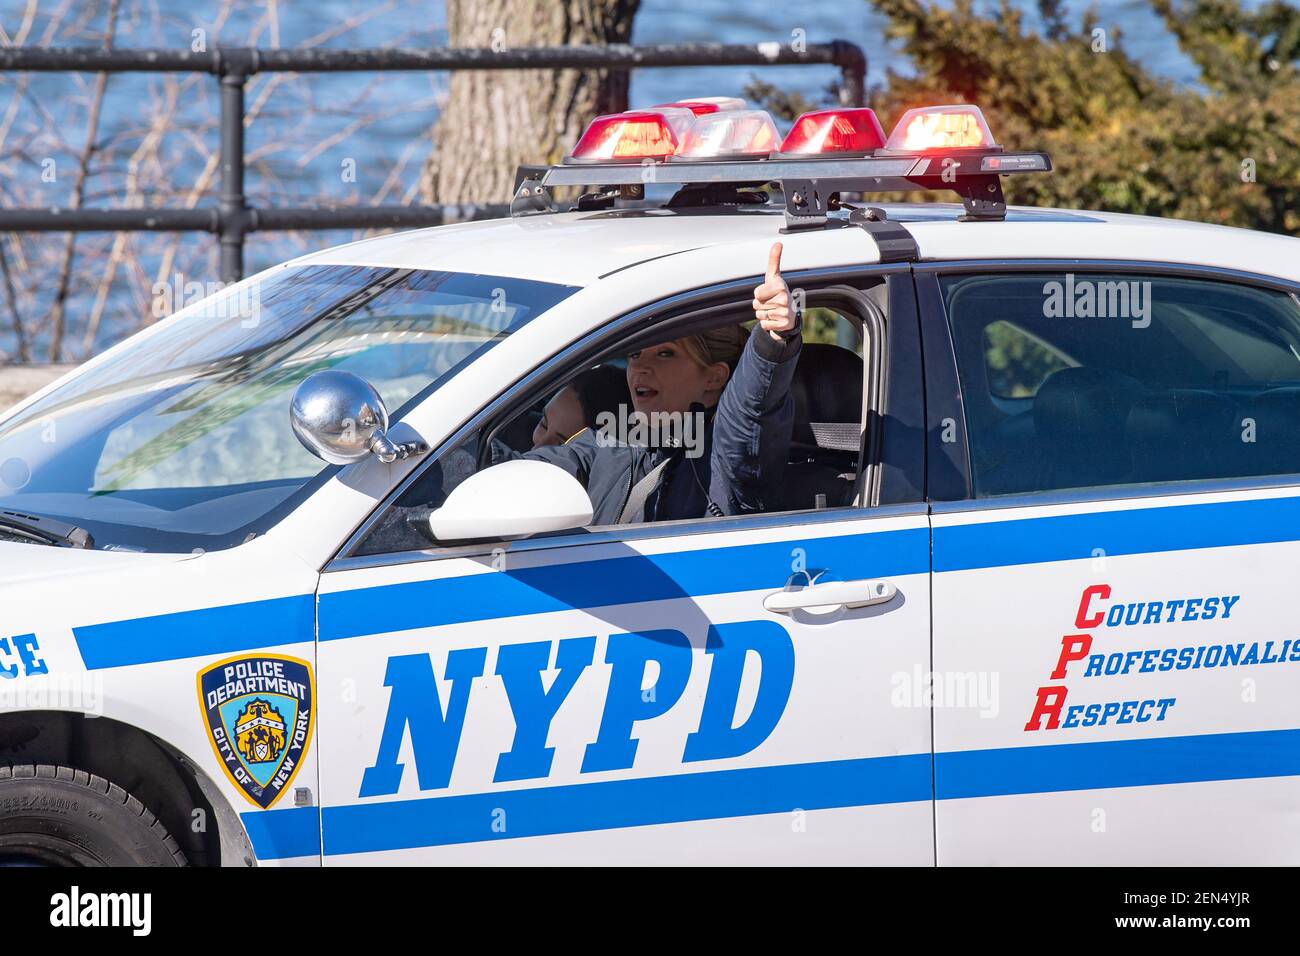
pixel 58 816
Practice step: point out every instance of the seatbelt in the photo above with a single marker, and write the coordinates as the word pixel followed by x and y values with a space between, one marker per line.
pixel 642 490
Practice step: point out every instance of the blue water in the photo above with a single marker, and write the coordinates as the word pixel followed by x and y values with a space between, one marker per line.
pixel 314 128
pixel 744 21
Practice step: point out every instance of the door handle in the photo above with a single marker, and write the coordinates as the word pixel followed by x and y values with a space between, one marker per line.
pixel 830 595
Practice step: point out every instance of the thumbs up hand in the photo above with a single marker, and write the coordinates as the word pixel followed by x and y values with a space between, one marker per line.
pixel 772 298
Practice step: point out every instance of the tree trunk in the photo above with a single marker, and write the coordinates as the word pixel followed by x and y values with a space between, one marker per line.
pixel 495 120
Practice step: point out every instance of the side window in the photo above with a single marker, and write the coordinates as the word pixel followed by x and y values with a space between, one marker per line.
pixel 826 326
pixel 1086 380
pixel 1017 362
pixel 601 408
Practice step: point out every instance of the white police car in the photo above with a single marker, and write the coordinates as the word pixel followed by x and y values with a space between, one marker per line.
pixel 1027 594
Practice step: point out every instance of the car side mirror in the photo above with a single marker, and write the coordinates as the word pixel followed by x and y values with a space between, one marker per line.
pixel 511 500
pixel 340 418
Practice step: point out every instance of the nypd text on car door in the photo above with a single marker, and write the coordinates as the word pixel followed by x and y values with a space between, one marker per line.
pixel 654 694
pixel 629 700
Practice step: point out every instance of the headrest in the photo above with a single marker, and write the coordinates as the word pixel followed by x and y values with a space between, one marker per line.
pixel 827 390
pixel 1178 413
pixel 1276 446
pixel 1185 433
pixel 1084 403
pixel 1280 408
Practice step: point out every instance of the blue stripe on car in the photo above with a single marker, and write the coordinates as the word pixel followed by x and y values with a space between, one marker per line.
pixel 628 579
pixel 636 578
pixel 679 798
pixel 540 811
pixel 204 632
pixel 387 608
pixel 999 544
pixel 1116 763
pixel 283 834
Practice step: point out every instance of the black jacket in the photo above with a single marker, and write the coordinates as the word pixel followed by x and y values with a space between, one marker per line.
pixel 746 444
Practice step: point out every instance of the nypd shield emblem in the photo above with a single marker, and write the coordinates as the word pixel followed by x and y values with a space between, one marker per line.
pixel 258 714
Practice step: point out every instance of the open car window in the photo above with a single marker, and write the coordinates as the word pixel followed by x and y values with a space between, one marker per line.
pixel 824 460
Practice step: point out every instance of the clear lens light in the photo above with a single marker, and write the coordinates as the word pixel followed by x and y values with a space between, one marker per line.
pixel 730 133
pixel 941 127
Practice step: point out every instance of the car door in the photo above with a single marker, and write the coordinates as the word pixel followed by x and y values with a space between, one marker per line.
pixel 623 696
pixel 1115 539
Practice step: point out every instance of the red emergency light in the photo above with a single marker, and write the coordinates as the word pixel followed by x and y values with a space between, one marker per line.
pixel 632 136
pixel 702 105
pixel 718 129
pixel 722 130
pixel 716 152
pixel 840 131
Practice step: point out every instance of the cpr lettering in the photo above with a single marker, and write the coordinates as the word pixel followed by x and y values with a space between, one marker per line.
pixel 415 703
pixel 1049 702
pixel 1094 610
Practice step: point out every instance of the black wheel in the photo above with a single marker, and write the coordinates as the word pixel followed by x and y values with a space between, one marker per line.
pixel 57 816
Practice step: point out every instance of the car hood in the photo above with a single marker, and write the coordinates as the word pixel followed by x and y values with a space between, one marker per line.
pixel 24 563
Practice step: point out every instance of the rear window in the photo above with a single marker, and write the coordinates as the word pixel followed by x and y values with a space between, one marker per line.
pixel 1088 380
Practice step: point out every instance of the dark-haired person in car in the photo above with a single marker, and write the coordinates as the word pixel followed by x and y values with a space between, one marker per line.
pixel 580 404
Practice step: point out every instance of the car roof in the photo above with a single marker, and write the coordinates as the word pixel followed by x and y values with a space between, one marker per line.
pixel 569 248
pixel 582 248
pixel 1045 233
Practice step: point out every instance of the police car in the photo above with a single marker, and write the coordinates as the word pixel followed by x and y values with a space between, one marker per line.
pixel 1027 594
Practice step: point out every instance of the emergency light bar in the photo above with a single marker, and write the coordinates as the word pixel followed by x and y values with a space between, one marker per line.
pixel 720 153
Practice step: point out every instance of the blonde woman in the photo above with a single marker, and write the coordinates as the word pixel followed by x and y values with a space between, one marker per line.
pixel 737 383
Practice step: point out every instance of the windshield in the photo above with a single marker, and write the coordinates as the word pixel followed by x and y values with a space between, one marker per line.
pixel 181 440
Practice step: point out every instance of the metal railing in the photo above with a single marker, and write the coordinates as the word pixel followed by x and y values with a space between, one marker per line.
pixel 233 218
